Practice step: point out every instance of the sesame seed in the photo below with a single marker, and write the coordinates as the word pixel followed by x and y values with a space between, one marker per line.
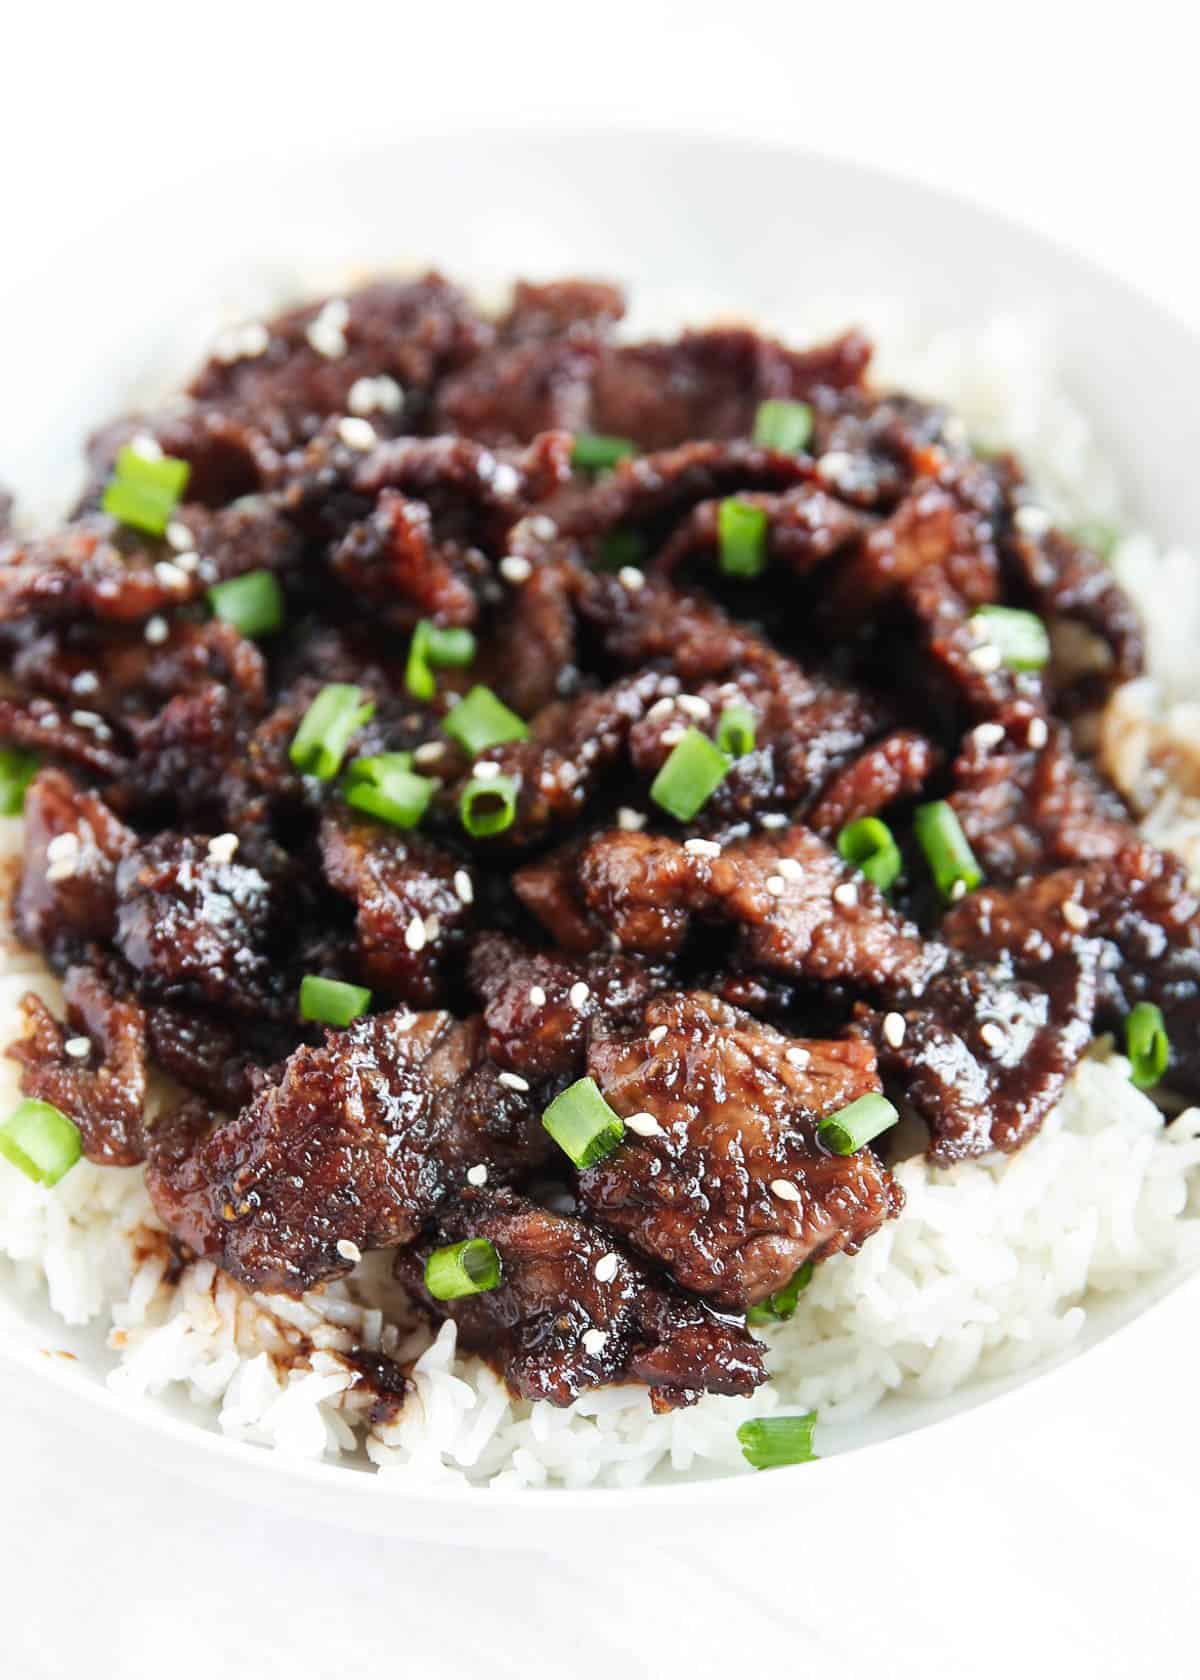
pixel 506 480
pixel 78 1047
pixel 169 575
pixel 657 1034
pixel 835 465
pixel 486 770
pixel 632 578
pixel 798 1057
pixel 774 819
pixel 846 894
pixel 147 447
pixel 92 721
pixel 464 886
pixel 789 869
pixel 702 848
pixel 993 1036
pixel 776 885
pixel 579 994
pixel 242 343
pixel 988 734
pixel 188 560
pixel 695 705
pixel 62 846
pixel 537 996
pixel 1038 733
pixel 179 536
pixel 669 686
pixel 326 331
pixel 958 890
pixel 514 568
pixel 432 928
pixel 894 1029
pixel 1032 521
pixel 1074 915
pixel 428 752
pixel 630 820
pixel 380 395
pixel 644 1124
pixel 222 847
pixel 660 709
pixel 542 527
pixel 414 934
pixel 605 1268
pixel 594 1340
pixel 986 657
pixel 356 433
pixel 672 737
pixel 349 1250
pixel 478 1174
pixel 514 1081
pixel 85 682
pixel 785 1190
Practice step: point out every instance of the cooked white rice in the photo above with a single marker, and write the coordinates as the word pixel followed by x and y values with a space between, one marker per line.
pixel 995 1267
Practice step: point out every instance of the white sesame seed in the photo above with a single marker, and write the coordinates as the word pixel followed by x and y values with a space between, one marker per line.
pixel 62 846
pixel 78 1047
pixel 429 752
pixel 179 536
pixel 660 708
pixel 835 465
pixel 477 1174
pixel 537 996
pixel 774 819
pixel 1032 521
pixel 169 575
pixel 514 1081
pixel 695 705
pixel 464 886
pixel 958 890
pixel 222 847
pixel 630 820
pixel 506 480
pixel 644 1124
pixel 1074 915
pixel 85 682
pixel 380 395
pixel 542 527
pixel 785 1190
pixel 797 1056
pixel 356 433
pixel 326 331
pixel 579 994
pixel 514 568
pixel 894 1029
pixel 1038 733
pixel 986 657
pixel 92 721
pixel 669 686
pixel 846 894
pixel 432 928
pixel 657 1034
pixel 188 560
pixel 349 1250
pixel 242 343
pixel 61 869
pixel 993 1036
pixel 414 934
pixel 702 848
pixel 789 869
pixel 671 737
pixel 632 578
pixel 594 1340
pixel 486 770
pixel 988 734
pixel 776 885
pixel 147 447
pixel 605 1268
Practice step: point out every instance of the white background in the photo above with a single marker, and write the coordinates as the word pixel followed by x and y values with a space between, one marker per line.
pixel 1082 1560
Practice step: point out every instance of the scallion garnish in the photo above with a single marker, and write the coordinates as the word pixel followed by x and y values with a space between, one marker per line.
pixel 39 1140
pixel 488 808
pixel 335 1002
pixel 430 646
pixel 387 787
pixel 869 846
pixel 1147 1045
pixel 583 1125
pixel 947 850
pixel 694 770
pixel 326 729
pixel 741 538
pixel 1020 636
pixel 786 426
pixel 253 603
pixel 620 548
pixel 17 770
pixel 855 1125
pixel 735 731
pixel 480 720
pixel 782 1304
pixel 464 1268
pixel 145 493
pixel 768 1443
pixel 593 453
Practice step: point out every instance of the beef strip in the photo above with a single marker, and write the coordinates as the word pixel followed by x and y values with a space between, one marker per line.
pixel 66 894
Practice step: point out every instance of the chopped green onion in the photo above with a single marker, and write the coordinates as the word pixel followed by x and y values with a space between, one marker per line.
pixel 17 770
pixel 40 1141
pixel 488 808
pixel 782 425
pixel 583 1125
pixel 768 1443
pixel 947 850
pixel 1147 1045
pixel 386 787
pixel 480 720
pixel 335 1002
pixel 620 548
pixel 741 538
pixel 464 1268
pixel 856 1124
pixel 869 846
pixel 253 603
pixel 431 646
pixel 319 745
pixel 1020 636
pixel 593 453
pixel 782 1304
pixel 145 493
pixel 695 769
pixel 735 732
pixel 1102 538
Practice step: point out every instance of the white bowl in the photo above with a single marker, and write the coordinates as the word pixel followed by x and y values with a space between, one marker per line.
pixel 764 226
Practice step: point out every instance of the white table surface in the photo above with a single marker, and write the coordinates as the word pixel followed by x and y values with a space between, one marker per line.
pixel 1082 1561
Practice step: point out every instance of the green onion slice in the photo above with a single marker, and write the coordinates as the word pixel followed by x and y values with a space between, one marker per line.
pixel 145 493
pixel 868 845
pixel 620 548
pixel 335 1002
pixel 480 720
pixel 387 787
pixel 1020 636
pixel 432 646
pixel 593 452
pixel 319 745
pixel 488 808
pixel 464 1268
pixel 39 1140
pixel 253 604
pixel 583 1125
pixel 17 770
pixel 947 850
pixel 786 426
pixel 782 1304
pixel 735 731
pixel 768 1443
pixel 1147 1045
pixel 695 768
pixel 741 538
pixel 855 1125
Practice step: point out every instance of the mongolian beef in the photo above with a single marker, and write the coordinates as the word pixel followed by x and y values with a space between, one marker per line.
pixel 549 806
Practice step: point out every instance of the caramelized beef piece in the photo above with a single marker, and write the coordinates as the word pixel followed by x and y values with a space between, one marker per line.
pixel 561 306
pixel 521 389
pixel 356 1144
pixel 392 560
pixel 805 527
pixel 733 1192
pixel 895 768
pixel 225 1060
pixel 82 739
pixel 91 569
pixel 871 448
pixel 66 895
pixel 557 1329
pixel 1064 579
